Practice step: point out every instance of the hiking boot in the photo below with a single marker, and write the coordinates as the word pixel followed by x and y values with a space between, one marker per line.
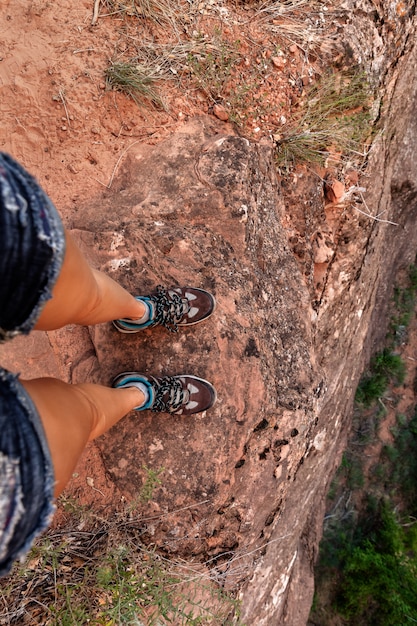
pixel 182 306
pixel 178 395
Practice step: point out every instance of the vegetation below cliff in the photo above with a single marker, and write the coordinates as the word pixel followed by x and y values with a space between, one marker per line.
pixel 367 564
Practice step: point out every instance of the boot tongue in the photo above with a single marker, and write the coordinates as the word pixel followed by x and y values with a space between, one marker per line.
pixel 177 397
pixel 180 308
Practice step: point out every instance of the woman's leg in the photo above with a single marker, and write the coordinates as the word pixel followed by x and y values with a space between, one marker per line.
pixel 72 415
pixel 83 295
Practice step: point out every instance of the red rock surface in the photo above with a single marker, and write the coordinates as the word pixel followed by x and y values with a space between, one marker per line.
pixel 197 210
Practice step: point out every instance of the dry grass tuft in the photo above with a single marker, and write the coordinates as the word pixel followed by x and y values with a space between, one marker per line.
pixel 136 80
pixel 98 571
pixel 335 116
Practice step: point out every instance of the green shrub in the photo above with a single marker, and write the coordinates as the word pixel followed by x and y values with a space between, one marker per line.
pixel 404 301
pixel 391 365
pixel 385 367
pixel 134 79
pixel 402 455
pixel 379 578
pixel 336 112
pixel 371 387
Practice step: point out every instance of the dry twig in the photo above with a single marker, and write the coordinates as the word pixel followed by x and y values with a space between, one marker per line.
pixel 95 12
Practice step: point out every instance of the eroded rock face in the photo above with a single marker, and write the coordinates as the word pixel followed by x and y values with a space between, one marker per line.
pixel 376 32
pixel 352 300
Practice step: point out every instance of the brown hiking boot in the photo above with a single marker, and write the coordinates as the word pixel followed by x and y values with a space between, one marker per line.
pixel 178 395
pixel 182 306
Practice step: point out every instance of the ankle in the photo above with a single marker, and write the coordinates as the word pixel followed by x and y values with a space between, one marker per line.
pixel 137 397
pixel 139 310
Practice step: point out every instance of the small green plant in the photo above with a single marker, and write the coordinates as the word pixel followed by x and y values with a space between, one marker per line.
pixel 159 11
pixel 351 471
pixel 404 300
pixel 151 482
pixel 135 80
pixel 391 365
pixel 331 494
pixel 211 63
pixel 370 389
pixel 401 457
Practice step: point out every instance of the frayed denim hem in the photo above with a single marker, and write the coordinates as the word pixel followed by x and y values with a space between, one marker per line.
pixel 27 475
pixel 37 239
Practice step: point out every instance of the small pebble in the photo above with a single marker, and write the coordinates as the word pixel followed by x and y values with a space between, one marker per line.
pixel 220 112
pixel 278 61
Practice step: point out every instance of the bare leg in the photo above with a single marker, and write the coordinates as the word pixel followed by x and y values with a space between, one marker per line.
pixel 83 295
pixel 72 415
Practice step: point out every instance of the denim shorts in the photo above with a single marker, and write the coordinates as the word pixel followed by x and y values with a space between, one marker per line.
pixel 32 247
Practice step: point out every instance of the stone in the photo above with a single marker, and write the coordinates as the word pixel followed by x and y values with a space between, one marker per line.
pixel 322 251
pixel 278 62
pixel 334 190
pixel 220 112
pixel 352 177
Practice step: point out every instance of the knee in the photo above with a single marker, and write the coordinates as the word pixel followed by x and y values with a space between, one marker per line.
pixel 91 408
pixel 91 304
